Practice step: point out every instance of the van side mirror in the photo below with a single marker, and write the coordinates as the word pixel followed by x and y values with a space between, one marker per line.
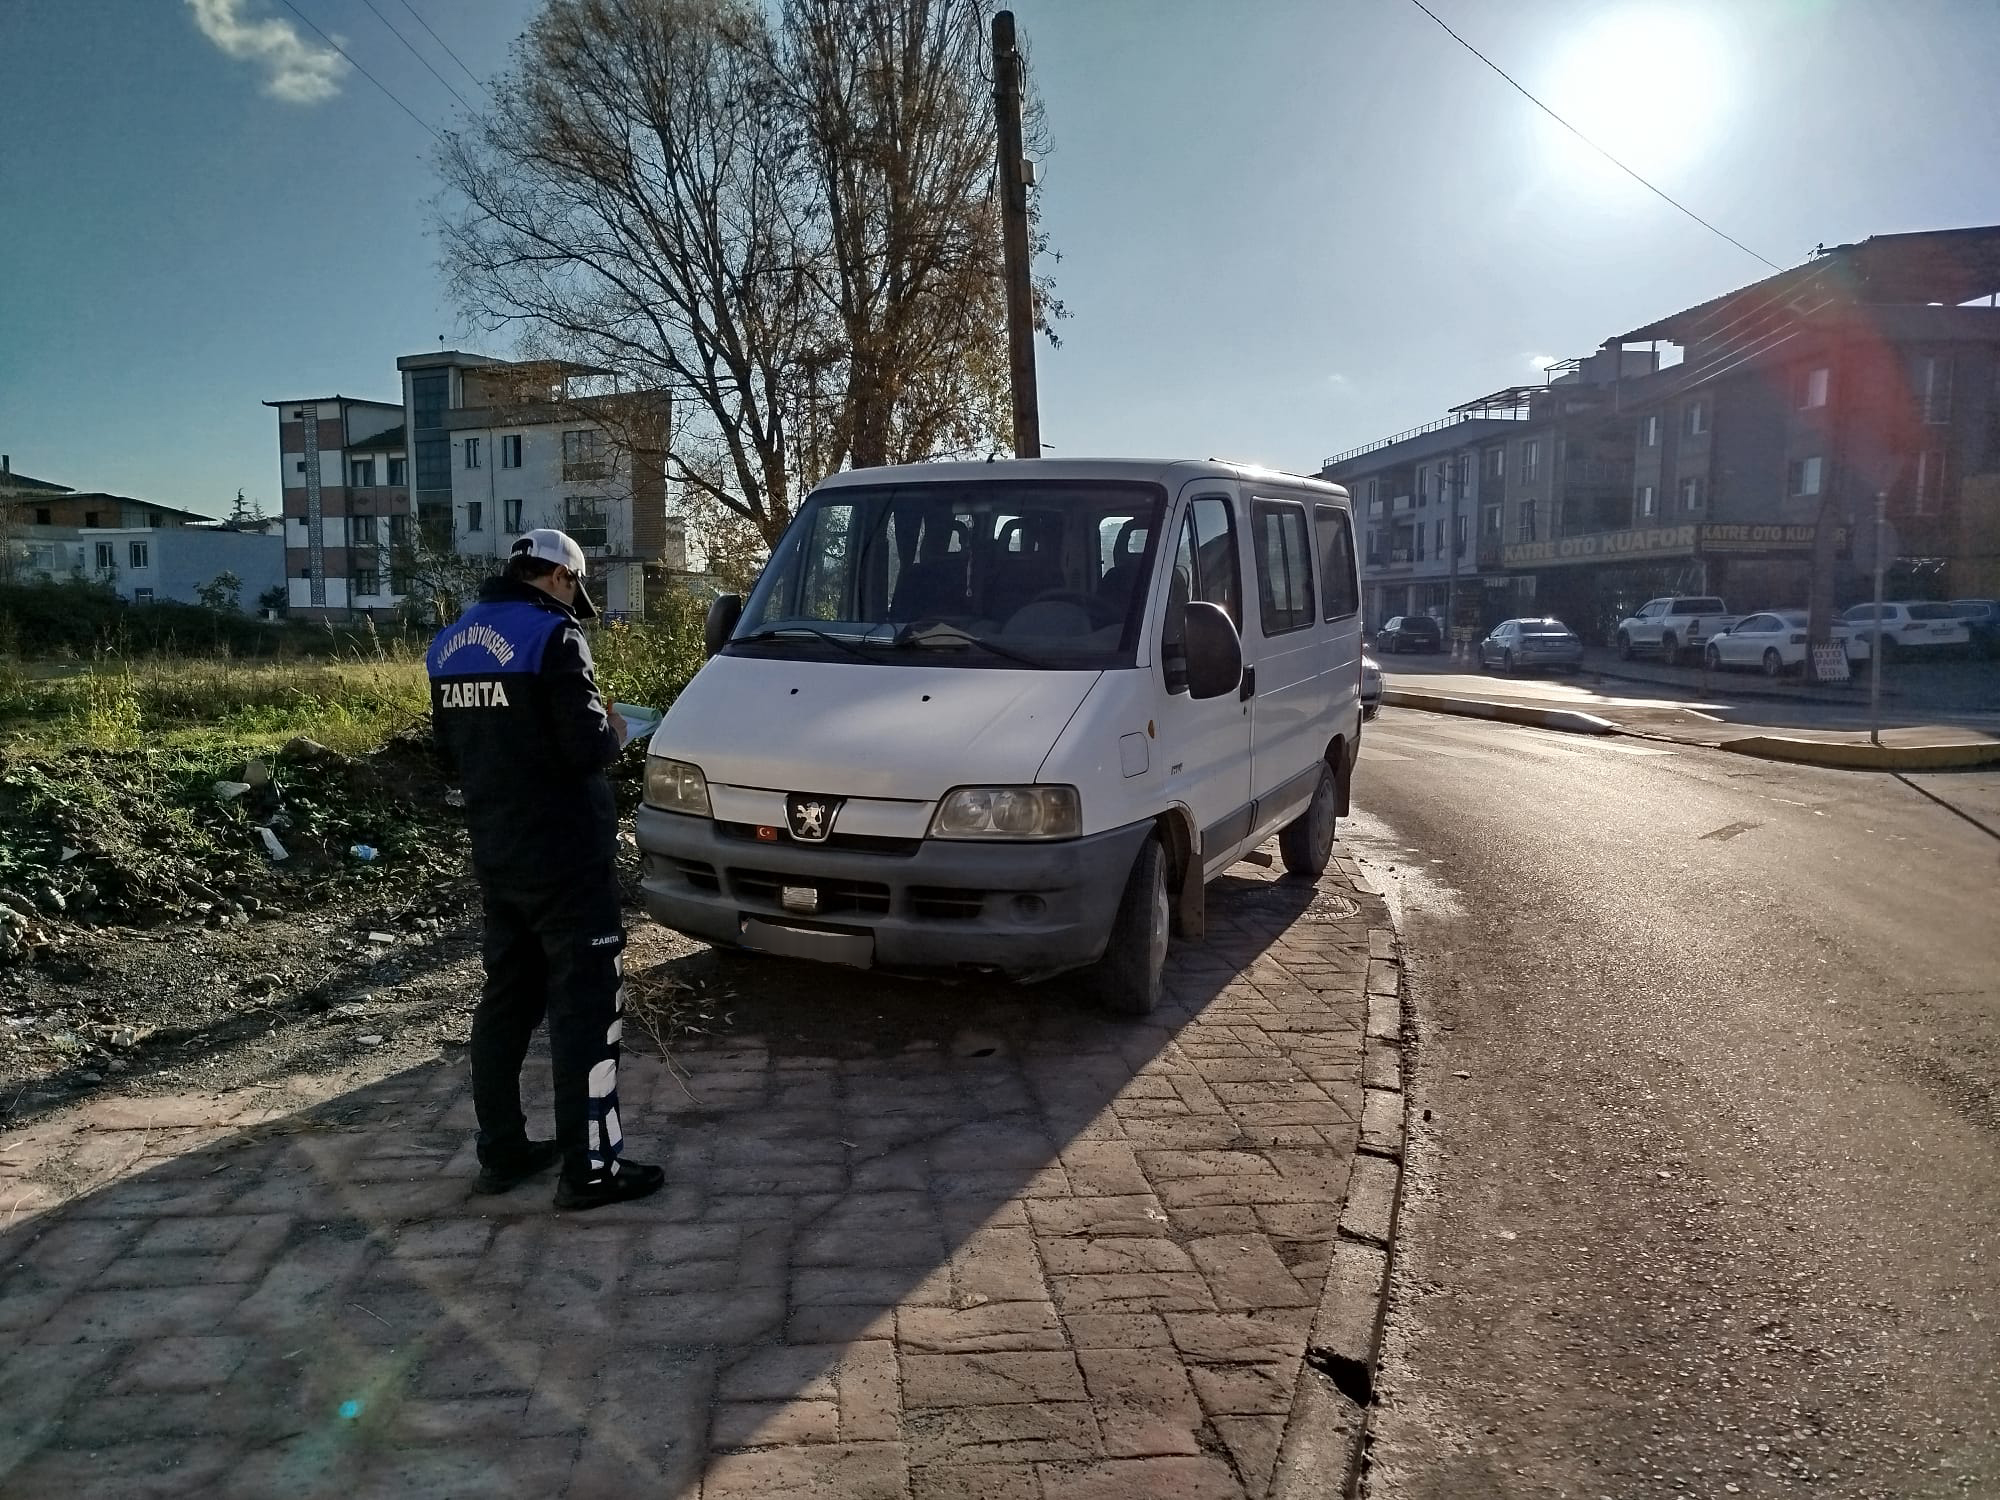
pixel 1214 651
pixel 721 623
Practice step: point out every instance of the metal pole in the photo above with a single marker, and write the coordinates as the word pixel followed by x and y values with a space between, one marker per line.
pixel 1014 239
pixel 1875 645
pixel 1451 584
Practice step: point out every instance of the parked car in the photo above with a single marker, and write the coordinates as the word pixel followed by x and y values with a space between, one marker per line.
pixel 1776 641
pixel 1371 687
pixel 1982 622
pixel 1673 625
pixel 1025 751
pixel 1525 645
pixel 1410 633
pixel 1908 625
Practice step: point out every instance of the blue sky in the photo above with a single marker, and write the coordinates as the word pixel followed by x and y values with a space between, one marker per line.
pixel 1286 226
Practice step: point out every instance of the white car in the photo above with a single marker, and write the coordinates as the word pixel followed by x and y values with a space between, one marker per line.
pixel 1371 687
pixel 1775 641
pixel 1911 625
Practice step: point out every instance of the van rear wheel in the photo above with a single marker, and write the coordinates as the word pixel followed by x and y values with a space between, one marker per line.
pixel 1306 843
pixel 1130 978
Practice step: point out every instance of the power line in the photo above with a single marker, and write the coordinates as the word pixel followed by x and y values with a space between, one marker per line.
pixel 1657 192
pixel 444 44
pixel 420 57
pixel 364 72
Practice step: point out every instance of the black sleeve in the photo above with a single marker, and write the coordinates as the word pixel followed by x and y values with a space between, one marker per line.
pixel 441 742
pixel 584 736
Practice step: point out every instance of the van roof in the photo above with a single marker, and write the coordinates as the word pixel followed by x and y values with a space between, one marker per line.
pixel 1156 470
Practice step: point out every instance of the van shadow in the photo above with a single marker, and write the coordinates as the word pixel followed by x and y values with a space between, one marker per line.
pixel 858 1173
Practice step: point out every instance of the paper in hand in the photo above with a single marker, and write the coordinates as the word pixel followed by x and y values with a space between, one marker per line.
pixel 640 722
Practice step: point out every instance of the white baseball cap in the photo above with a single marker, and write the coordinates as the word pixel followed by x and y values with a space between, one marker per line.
pixel 561 549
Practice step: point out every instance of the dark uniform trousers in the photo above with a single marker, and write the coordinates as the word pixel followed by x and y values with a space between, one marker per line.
pixel 557 949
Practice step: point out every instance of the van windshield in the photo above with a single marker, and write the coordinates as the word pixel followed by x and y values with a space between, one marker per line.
pixel 1049 574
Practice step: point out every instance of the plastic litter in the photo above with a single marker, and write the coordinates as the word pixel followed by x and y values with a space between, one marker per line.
pixel 229 791
pixel 271 845
pixel 364 852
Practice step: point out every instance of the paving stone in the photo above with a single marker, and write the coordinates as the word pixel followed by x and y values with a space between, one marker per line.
pixel 989 1379
pixel 1093 1330
pixel 1145 1406
pixel 852 1471
pixel 763 1424
pixel 975 1482
pixel 1253 1443
pixel 1086 1257
pixel 1140 1479
pixel 1245 1390
pixel 989 1328
pixel 782 1372
pixel 1236 1337
pixel 1132 1214
pixel 182 1364
pixel 1017 1433
pixel 1243 1271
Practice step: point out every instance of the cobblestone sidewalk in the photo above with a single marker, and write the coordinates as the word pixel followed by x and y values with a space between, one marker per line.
pixel 1026 1251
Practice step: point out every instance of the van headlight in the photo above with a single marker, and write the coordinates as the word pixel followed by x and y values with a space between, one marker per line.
pixel 1009 812
pixel 676 786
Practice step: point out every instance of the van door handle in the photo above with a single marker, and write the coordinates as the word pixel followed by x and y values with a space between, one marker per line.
pixel 1249 689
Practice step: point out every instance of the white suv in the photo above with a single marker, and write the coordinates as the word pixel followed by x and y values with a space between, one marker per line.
pixel 1907 626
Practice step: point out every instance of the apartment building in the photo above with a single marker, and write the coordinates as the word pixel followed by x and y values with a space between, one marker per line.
pixel 1739 452
pixel 476 451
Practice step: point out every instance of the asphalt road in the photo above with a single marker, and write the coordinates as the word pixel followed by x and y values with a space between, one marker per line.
pixel 1704 1187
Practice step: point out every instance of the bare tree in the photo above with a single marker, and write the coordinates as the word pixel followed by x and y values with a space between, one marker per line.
pixel 788 225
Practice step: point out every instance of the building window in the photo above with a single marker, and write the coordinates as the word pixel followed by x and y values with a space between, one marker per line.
pixel 472 453
pixel 141 555
pixel 1810 390
pixel 1374 548
pixel 1531 458
pixel 1931 382
pixel 475 515
pixel 361 473
pixel 142 596
pixel 428 394
pixel 154 519
pixel 361 531
pixel 107 557
pixel 583 455
pixel 510 451
pixel 1694 418
pixel 1649 432
pixel 1496 463
pixel 90 518
pixel 399 532
pixel 1371 492
pixel 583 519
pixel 300 466
pixel 298 414
pixel 1437 539
pixel 1423 486
pixel 1493 521
pixel 1805 476
pixel 1691 494
pixel 1527 522
pixel 1930 482
pixel 1648 499
pixel 510 512
pixel 399 581
pixel 367 583
pixel 399 471
pixel 42 516
pixel 1459 528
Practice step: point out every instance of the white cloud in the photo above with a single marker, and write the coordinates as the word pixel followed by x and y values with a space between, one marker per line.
pixel 297 71
pixel 1338 381
pixel 1541 361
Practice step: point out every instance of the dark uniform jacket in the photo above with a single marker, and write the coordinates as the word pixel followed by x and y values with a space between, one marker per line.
pixel 521 729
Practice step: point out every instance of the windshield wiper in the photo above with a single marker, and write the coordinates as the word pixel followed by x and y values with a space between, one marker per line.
pixel 921 634
pixel 779 632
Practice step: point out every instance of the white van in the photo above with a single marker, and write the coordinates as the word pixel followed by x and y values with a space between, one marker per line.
pixel 1012 717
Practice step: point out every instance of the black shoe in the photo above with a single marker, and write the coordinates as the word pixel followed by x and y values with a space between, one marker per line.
pixel 510 1169
pixel 632 1180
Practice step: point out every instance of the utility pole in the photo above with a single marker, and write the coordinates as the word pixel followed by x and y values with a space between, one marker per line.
pixel 1875 646
pixel 1451 578
pixel 1014 238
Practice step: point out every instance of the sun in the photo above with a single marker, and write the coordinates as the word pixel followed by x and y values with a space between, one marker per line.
pixel 1607 81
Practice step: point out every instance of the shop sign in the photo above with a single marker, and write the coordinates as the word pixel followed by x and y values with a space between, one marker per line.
pixel 1717 537
pixel 1603 546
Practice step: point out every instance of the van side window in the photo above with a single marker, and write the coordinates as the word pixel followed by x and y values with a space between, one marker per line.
pixel 1336 561
pixel 1206 568
pixel 1284 567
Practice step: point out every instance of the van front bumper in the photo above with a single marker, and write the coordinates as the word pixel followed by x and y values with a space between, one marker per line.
pixel 1023 909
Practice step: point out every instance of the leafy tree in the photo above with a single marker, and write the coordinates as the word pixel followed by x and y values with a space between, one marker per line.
pixel 222 593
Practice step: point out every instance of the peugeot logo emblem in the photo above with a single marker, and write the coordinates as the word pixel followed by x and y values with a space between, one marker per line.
pixel 811 818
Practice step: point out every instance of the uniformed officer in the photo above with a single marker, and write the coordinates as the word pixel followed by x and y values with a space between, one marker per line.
pixel 520 726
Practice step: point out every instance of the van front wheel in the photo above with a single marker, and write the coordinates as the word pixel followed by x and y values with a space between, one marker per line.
pixel 1306 843
pixel 1130 976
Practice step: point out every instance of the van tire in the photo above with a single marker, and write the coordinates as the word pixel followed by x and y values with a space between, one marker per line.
pixel 1306 843
pixel 1130 979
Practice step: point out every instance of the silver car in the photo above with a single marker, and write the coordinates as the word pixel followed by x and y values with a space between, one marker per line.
pixel 1531 645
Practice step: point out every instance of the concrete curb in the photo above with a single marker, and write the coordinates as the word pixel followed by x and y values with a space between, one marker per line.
pixel 1845 756
pixel 1325 1436
pixel 1833 754
pixel 1570 720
